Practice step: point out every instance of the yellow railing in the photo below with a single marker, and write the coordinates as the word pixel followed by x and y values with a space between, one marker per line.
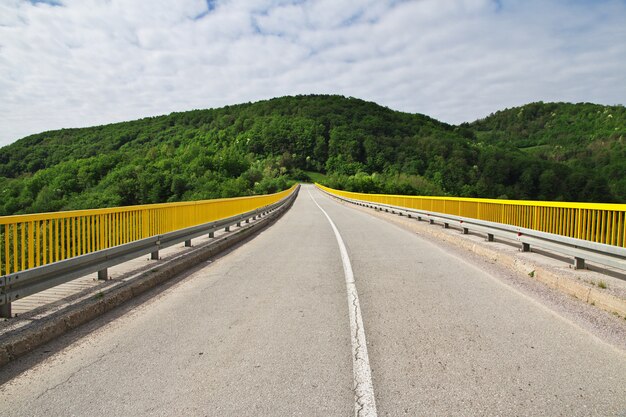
pixel 31 240
pixel 601 223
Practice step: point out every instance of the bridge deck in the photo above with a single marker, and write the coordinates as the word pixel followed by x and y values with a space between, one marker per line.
pixel 265 330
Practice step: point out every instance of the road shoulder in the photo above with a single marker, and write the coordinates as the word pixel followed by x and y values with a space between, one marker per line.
pixel 575 295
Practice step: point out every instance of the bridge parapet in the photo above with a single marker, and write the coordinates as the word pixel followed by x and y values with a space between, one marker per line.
pixel 584 231
pixel 39 251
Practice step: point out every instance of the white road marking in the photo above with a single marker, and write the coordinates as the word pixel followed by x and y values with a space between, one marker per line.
pixel 364 403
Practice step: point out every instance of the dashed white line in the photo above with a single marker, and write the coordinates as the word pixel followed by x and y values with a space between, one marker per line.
pixel 364 402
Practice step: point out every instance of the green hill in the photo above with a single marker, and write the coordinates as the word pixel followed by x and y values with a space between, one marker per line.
pixel 587 138
pixel 265 146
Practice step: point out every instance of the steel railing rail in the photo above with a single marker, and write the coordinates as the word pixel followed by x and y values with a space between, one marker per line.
pixel 32 240
pixel 19 284
pixel 595 222
pixel 580 250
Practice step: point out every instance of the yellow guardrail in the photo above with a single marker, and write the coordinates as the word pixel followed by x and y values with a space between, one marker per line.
pixel 601 223
pixel 31 240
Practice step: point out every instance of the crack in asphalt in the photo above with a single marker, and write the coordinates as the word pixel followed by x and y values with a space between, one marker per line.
pixel 358 396
pixel 363 389
pixel 72 375
pixel 364 401
pixel 361 404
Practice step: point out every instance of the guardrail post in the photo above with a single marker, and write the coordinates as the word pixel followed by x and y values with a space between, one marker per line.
pixel 227 229
pixel 103 274
pixel 446 226
pixel 579 263
pixel 465 231
pixel 211 234
pixel 154 255
pixel 489 237
pixel 239 224
pixel 431 221
pixel 248 220
pixel 525 247
pixel 188 243
pixel 5 311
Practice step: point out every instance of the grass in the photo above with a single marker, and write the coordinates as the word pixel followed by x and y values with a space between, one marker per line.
pixel 316 176
pixel 531 273
pixel 602 284
pixel 534 148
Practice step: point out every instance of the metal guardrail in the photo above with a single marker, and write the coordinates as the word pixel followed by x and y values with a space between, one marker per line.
pixel 595 222
pixel 580 250
pixel 31 240
pixel 20 284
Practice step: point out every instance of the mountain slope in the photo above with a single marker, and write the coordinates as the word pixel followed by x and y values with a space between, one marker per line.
pixel 235 150
pixel 590 139
pixel 264 146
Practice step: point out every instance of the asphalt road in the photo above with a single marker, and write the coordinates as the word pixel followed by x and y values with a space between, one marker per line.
pixel 266 331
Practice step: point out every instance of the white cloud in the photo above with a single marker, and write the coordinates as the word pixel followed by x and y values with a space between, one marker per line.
pixel 90 62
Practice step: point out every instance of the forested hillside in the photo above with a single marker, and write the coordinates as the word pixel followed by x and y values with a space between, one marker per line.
pixel 589 139
pixel 265 146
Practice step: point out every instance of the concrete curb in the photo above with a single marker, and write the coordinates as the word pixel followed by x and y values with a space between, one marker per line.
pixel 569 286
pixel 554 280
pixel 23 340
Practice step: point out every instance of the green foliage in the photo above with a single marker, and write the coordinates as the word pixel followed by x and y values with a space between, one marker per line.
pixel 539 151
pixel 588 139
pixel 402 184
pixel 316 177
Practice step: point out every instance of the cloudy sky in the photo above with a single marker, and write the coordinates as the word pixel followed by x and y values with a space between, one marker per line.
pixel 72 63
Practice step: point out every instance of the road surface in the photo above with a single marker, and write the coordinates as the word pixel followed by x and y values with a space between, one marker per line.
pixel 270 330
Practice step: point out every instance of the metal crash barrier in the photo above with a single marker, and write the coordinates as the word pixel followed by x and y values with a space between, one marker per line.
pixel 40 251
pixel 584 231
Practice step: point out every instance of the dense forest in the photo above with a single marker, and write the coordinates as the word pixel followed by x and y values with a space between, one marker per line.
pixel 588 139
pixel 552 151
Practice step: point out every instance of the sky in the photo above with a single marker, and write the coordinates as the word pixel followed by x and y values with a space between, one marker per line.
pixel 76 63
